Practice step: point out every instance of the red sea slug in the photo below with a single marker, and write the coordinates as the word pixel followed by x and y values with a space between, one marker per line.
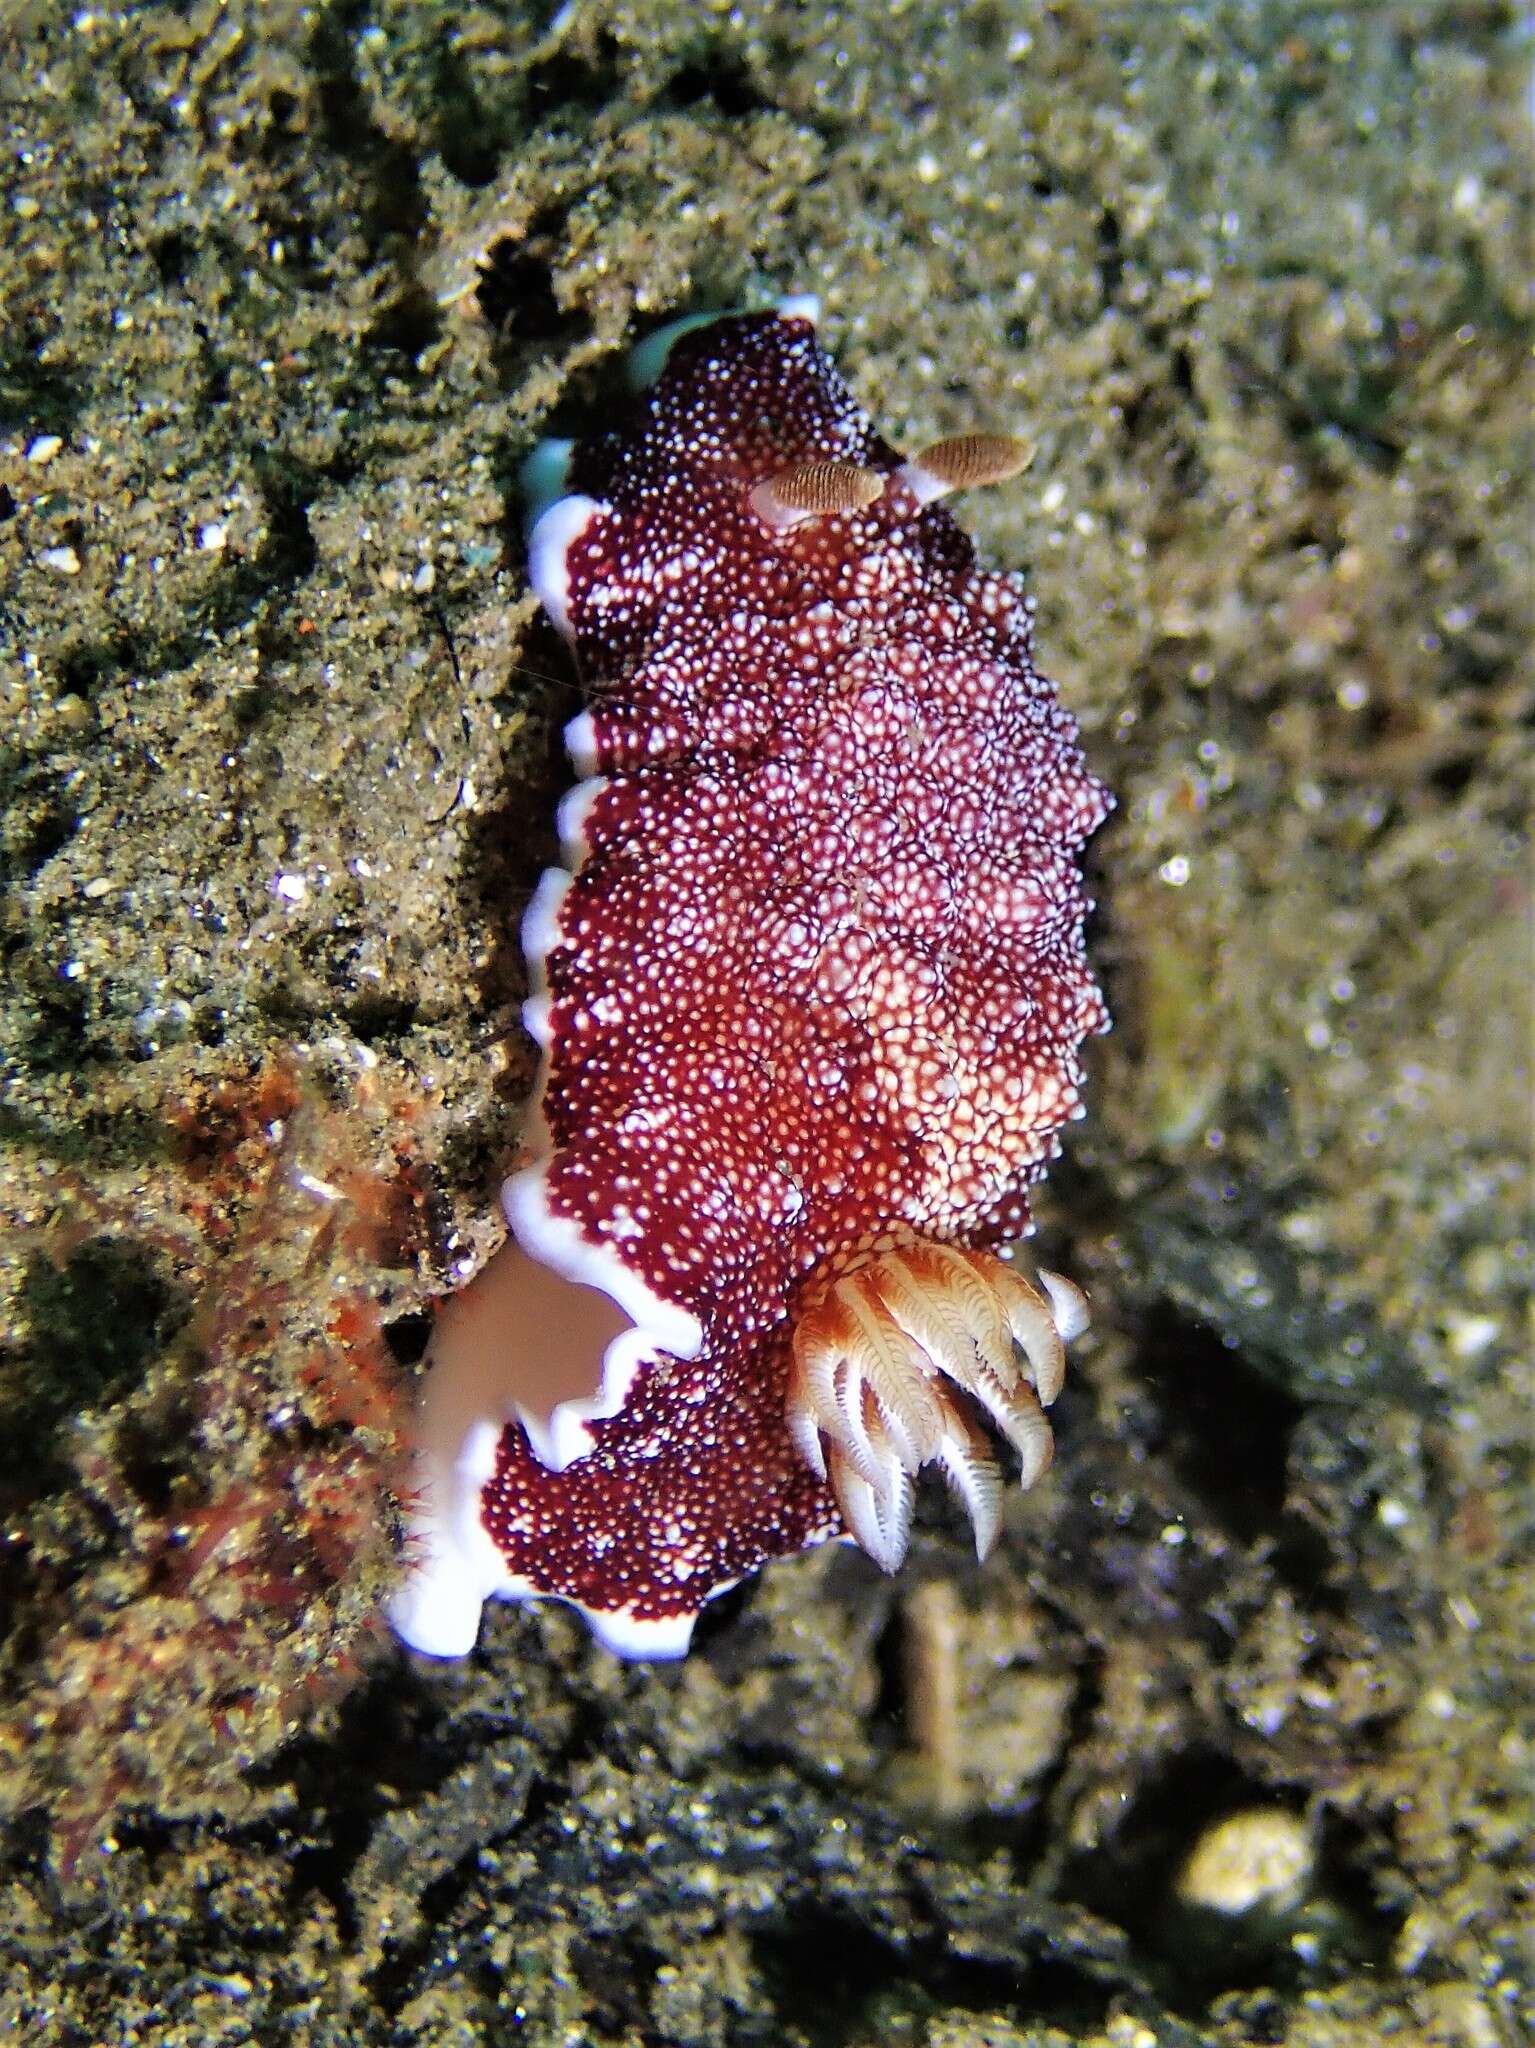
pixel 810 991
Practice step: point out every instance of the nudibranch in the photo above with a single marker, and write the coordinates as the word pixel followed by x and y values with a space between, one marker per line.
pixel 810 990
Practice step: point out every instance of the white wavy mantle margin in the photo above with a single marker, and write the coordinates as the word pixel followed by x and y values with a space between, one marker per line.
pixel 473 1389
pixel 470 1397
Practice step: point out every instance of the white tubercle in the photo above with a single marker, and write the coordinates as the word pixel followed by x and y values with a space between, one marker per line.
pixel 570 822
pixel 555 532
pixel 540 921
pixel 581 743
pixel 629 1635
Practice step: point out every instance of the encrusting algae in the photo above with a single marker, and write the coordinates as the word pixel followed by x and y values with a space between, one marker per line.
pixel 219 1598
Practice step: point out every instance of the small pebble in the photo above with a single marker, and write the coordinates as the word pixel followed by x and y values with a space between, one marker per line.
pixel 64 561
pixel 44 448
pixel 1260 1857
pixel 1469 1336
pixel 212 537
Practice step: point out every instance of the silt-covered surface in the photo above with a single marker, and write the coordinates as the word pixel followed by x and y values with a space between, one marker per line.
pixel 1230 1741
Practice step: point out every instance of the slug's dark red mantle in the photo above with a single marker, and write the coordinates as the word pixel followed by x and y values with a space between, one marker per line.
pixel 811 991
